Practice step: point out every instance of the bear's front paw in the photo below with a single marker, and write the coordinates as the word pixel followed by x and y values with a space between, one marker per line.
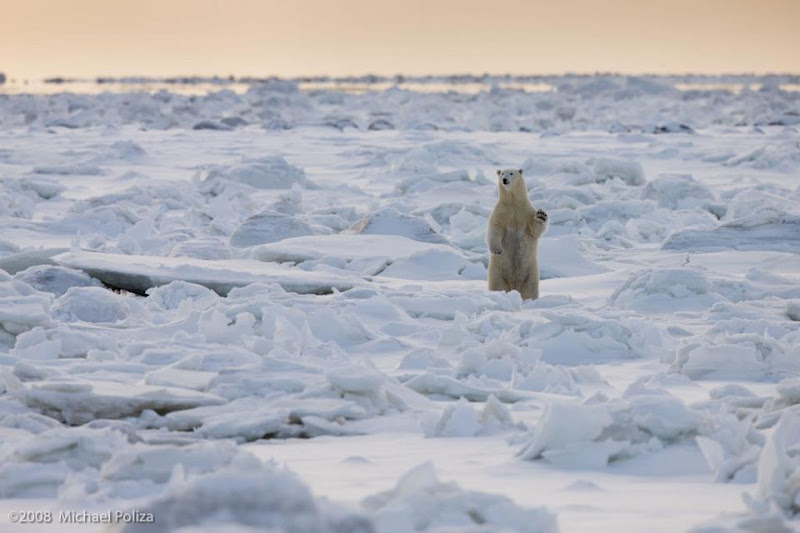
pixel 541 216
pixel 496 250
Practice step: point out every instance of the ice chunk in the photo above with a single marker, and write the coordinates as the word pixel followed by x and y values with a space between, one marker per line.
pixel 156 463
pixel 380 124
pixel 344 247
pixel 775 231
pixel 247 494
pixel 659 289
pixel 269 226
pixel 664 416
pixel 16 204
pixel 271 172
pixel 35 345
pixel 211 125
pixel 23 308
pixel 671 127
pixel 454 388
pixel 592 434
pixel 234 122
pixel 7 248
pixel 420 502
pixel 213 248
pixel 78 402
pixel 77 447
pixel 75 169
pixel 31 480
pixel 777 156
pixel 779 465
pixel 126 150
pixel 577 337
pixel 91 304
pixel 722 361
pixel 428 265
pixel 631 172
pixel 140 273
pixel 38 465
pixel 793 310
pixel 171 295
pixel 54 279
pixel 789 391
pixel 44 188
pixel 251 426
pixel 19 261
pixel 564 425
pixel 459 420
pixel 390 221
pixel 176 377
pixel 677 191
pixel 424 181
pixel 355 379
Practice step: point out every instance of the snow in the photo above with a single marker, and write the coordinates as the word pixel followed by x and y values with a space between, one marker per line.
pixel 269 309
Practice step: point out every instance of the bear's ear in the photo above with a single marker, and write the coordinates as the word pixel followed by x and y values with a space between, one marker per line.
pixel 520 172
pixel 498 173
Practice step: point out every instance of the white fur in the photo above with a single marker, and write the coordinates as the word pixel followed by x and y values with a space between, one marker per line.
pixel 513 237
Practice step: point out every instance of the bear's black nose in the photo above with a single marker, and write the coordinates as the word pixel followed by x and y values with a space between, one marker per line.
pixel 505 181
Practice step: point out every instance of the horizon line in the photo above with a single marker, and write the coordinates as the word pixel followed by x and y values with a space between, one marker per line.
pixel 245 78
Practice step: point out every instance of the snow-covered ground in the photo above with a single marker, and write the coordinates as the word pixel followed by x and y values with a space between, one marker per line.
pixel 269 309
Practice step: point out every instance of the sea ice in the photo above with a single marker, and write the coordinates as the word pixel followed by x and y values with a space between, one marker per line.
pixel 420 502
pixel 310 287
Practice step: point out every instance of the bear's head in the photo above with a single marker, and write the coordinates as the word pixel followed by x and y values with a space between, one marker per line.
pixel 510 181
pixel 509 176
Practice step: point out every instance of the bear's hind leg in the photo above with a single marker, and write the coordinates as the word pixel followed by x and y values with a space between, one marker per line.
pixel 495 277
pixel 496 284
pixel 530 290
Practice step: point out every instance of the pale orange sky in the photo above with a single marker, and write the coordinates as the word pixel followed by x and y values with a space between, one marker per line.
pixel 84 38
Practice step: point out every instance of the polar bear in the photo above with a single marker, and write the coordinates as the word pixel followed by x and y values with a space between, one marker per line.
pixel 513 237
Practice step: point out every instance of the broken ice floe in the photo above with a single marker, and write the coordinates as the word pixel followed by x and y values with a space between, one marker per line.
pixel 420 502
pixel 461 420
pixel 79 401
pixel 778 232
pixel 54 279
pixel 390 221
pixel 270 172
pixel 595 433
pixel 140 273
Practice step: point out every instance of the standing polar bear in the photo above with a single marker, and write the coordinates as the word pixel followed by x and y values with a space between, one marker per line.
pixel 513 237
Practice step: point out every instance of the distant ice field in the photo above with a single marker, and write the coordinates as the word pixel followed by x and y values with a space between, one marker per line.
pixel 199 86
pixel 267 308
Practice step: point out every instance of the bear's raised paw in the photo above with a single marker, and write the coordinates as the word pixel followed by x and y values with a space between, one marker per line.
pixel 541 215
